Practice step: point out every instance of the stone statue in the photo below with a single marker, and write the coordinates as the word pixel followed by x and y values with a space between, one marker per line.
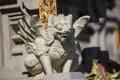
pixel 54 49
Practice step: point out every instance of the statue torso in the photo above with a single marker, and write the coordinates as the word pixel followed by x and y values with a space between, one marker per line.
pixel 57 50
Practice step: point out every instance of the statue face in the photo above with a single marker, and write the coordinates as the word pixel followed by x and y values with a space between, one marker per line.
pixel 61 26
pixel 62 31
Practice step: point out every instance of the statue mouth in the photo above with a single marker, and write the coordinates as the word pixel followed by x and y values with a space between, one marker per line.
pixel 62 35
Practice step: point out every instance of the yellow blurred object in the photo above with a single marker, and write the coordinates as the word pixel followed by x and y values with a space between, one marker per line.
pixel 118 39
pixel 46 7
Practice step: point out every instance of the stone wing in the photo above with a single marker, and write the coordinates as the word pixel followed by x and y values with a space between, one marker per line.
pixel 79 24
pixel 29 28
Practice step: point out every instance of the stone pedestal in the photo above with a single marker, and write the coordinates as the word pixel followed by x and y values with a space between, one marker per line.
pixel 65 76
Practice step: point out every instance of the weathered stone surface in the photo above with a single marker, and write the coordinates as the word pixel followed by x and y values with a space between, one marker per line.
pixel 31 60
pixel 56 46
pixel 9 17
pixel 65 76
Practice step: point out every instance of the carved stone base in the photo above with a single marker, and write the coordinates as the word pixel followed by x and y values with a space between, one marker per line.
pixel 65 76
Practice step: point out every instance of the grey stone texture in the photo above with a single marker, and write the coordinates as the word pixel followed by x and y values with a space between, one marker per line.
pixel 12 49
pixel 57 47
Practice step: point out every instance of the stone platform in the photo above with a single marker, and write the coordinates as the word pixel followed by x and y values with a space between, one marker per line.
pixel 65 76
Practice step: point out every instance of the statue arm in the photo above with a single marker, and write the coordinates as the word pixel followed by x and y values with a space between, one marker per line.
pixel 46 63
pixel 68 64
pixel 42 53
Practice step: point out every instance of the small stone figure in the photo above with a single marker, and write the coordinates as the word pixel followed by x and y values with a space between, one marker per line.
pixel 54 49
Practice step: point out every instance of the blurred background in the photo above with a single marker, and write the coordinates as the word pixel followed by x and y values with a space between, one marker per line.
pixel 102 31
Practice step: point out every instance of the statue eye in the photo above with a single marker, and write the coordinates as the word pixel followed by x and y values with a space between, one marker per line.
pixel 59 27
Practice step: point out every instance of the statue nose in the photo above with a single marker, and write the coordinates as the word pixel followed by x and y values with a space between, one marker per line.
pixel 66 31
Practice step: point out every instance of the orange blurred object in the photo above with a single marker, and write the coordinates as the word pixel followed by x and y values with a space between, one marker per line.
pixel 46 7
pixel 118 39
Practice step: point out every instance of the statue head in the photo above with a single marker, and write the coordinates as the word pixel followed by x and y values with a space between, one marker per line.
pixel 61 26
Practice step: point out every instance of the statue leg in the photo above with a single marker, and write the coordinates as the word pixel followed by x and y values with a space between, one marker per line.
pixel 39 76
pixel 68 63
pixel 33 64
pixel 76 62
pixel 46 63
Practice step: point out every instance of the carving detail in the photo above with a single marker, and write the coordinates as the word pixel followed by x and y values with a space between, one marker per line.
pixel 55 47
